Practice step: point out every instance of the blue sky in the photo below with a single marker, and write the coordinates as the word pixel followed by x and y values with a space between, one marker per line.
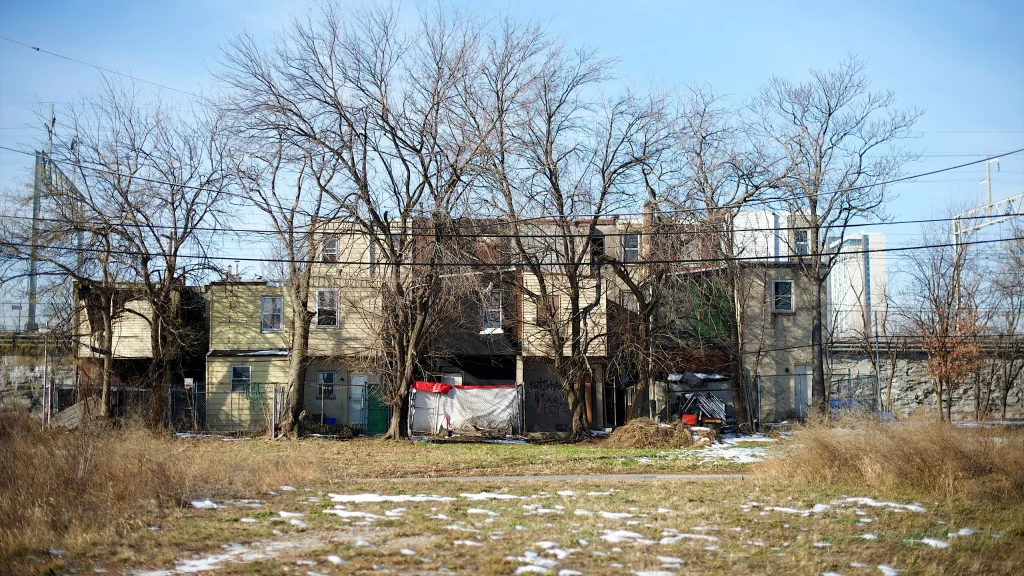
pixel 963 62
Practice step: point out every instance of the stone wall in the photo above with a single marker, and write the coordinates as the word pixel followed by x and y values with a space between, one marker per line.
pixel 21 380
pixel 913 393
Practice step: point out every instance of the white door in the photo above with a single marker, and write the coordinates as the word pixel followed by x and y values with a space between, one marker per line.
pixel 802 389
pixel 357 399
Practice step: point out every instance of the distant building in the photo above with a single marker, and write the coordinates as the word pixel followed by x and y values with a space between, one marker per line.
pixel 856 294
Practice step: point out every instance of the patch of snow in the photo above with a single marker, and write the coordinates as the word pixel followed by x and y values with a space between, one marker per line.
pixel 685 536
pixel 290 514
pixel 615 515
pixel 531 569
pixel 351 514
pixel 297 522
pixel 617 536
pixel 608 493
pixel 545 544
pixel 467 543
pixel 288 489
pixel 670 560
pixel 653 573
pixel 935 543
pixel 335 559
pixel 963 532
pixel 371 498
pixel 206 504
pixel 822 544
pixel 582 512
pixel 481 511
pixel 876 504
pixel 868 537
pixel 887 570
pixel 567 572
pixel 490 496
pixel 566 493
pixel 407 552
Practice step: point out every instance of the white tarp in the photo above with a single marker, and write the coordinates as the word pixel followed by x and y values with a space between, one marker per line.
pixel 466 409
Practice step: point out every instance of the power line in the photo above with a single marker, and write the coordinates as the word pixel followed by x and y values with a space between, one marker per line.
pixel 541 218
pixel 541 264
pixel 501 235
pixel 755 202
pixel 101 68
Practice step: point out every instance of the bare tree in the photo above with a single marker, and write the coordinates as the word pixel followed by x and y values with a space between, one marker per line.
pixel 558 161
pixel 383 103
pixel 1008 318
pixel 943 314
pixel 726 168
pixel 842 144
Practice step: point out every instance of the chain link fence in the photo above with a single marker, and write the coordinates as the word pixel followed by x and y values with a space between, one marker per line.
pixel 786 397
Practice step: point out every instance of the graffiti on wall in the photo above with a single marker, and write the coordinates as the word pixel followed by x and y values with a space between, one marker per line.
pixel 546 407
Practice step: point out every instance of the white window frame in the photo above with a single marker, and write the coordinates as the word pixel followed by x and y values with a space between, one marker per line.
pixel 321 386
pixel 802 247
pixel 330 249
pixel 630 253
pixel 488 313
pixel 240 384
pixel 264 314
pixel 776 296
pixel 337 307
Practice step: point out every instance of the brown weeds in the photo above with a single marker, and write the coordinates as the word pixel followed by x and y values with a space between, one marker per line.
pixel 931 458
pixel 645 433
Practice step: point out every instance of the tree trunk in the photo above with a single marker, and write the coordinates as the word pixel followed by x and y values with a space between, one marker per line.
pixel 818 356
pixel 108 359
pixel 296 391
pixel 578 410
pixel 398 427
pixel 642 390
pixel 739 388
pixel 939 398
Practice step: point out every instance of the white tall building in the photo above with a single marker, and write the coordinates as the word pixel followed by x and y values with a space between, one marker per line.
pixel 856 289
pixel 856 294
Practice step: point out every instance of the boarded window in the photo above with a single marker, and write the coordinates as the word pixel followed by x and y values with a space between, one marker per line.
pixel 327 307
pixel 547 312
pixel 782 296
pixel 241 378
pixel 271 311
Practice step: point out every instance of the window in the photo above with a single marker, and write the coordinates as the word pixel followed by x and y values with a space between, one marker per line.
pixel 326 307
pixel 241 377
pixel 801 244
pixel 628 301
pixel 492 312
pixel 782 296
pixel 547 313
pixel 329 252
pixel 271 309
pixel 631 247
pixel 596 249
pixel 325 385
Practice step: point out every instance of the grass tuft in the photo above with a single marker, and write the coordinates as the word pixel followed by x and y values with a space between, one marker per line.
pixel 931 458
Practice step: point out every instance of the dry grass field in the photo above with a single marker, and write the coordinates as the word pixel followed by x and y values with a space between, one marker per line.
pixel 828 500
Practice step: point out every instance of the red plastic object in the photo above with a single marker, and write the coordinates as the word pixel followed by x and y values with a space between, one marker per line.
pixel 690 419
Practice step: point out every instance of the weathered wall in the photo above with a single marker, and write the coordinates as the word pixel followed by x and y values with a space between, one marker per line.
pixel 913 393
pixel 546 407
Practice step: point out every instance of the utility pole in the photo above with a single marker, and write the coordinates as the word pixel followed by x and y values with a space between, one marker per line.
pixel 988 181
pixel 41 180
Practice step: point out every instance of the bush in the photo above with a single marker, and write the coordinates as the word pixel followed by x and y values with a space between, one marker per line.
pixel 645 433
pixel 933 458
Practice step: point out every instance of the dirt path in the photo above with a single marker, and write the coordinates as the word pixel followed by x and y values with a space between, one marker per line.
pixel 579 478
